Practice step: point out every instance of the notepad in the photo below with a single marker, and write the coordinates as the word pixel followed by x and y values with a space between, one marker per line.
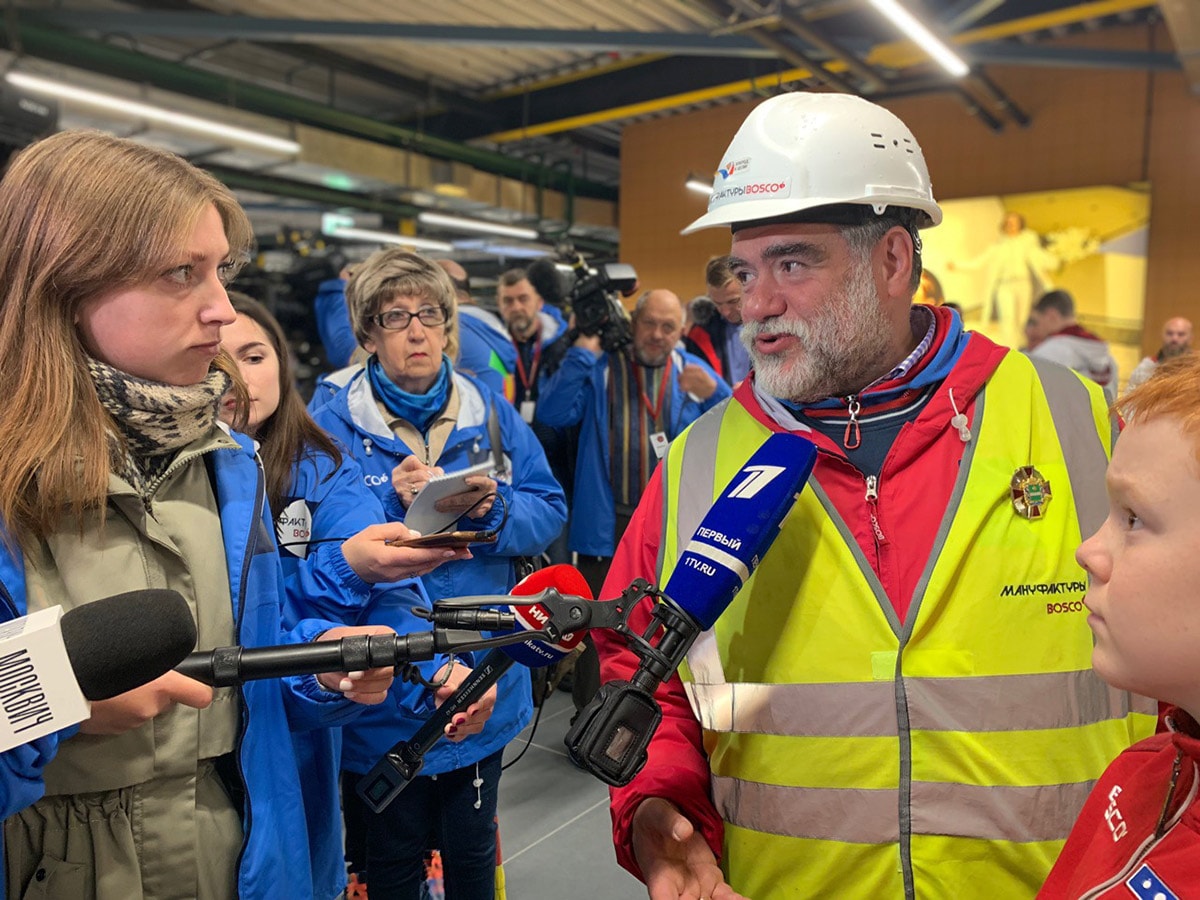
pixel 422 516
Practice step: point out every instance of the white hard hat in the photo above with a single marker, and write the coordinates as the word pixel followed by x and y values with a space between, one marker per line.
pixel 798 151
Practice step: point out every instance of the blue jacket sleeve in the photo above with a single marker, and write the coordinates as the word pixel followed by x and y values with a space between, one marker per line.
pixel 723 389
pixel 563 396
pixel 21 768
pixel 322 585
pixel 333 322
pixel 537 507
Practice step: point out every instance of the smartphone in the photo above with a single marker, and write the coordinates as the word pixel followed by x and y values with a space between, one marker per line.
pixel 447 539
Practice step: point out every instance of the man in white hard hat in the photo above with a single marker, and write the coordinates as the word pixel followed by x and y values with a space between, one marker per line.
pixel 899 702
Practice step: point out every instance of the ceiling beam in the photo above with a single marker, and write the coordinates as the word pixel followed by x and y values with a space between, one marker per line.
pixel 325 31
pixel 1183 21
pixel 97 56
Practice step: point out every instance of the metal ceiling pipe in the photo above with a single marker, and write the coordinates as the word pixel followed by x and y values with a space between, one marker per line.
pixel 784 51
pixel 1000 99
pixel 872 79
pixel 72 50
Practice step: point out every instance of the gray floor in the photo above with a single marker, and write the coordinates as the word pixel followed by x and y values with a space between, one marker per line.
pixel 555 831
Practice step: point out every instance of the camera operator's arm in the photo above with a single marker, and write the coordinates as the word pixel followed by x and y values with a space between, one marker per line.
pixel 563 396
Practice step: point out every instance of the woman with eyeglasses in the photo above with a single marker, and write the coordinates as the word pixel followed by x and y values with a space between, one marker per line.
pixel 337 561
pixel 408 417
pixel 116 476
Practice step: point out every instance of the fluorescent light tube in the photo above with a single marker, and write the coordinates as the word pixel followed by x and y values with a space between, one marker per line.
pixel 389 237
pixel 155 114
pixel 698 185
pixel 922 37
pixel 455 223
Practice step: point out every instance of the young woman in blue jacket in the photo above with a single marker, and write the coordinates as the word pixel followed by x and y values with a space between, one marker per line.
pixel 332 537
pixel 408 417
pixel 116 476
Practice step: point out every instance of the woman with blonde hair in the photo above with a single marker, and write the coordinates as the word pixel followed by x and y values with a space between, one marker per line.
pixel 116 476
pixel 408 417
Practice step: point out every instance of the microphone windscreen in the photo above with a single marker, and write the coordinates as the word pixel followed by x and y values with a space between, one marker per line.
pixel 118 643
pixel 740 527
pixel 567 580
pixel 546 280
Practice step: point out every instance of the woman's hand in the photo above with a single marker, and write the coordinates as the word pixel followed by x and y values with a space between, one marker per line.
pixel 472 719
pixel 135 708
pixel 460 504
pixel 410 476
pixel 369 687
pixel 374 556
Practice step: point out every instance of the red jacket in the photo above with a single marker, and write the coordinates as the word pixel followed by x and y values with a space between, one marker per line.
pixel 1138 835
pixel 908 511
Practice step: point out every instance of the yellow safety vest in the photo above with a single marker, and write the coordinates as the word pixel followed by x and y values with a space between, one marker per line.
pixel 947 756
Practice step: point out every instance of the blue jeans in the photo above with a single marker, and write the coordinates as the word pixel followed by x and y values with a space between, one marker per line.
pixel 437 812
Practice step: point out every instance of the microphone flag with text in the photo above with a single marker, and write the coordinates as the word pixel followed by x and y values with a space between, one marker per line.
pixel 53 662
pixel 610 735
pixel 403 762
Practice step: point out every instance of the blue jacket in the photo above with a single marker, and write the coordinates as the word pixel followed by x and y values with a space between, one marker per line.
pixel 578 392
pixel 485 349
pixel 326 504
pixel 274 858
pixel 333 322
pixel 536 513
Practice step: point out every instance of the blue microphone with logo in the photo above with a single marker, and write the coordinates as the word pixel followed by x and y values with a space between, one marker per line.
pixel 611 734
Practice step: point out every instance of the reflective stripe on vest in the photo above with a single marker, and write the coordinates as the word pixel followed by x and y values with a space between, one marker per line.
pixel 976 724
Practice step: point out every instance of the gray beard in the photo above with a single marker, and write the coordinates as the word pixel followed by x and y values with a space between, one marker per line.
pixel 843 348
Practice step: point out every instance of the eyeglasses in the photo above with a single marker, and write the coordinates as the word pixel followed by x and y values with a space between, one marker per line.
pixel 400 319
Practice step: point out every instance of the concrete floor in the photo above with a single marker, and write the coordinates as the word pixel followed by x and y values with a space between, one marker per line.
pixel 555 830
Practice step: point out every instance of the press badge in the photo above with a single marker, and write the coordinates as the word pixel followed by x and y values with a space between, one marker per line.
pixel 658 441
pixel 527 407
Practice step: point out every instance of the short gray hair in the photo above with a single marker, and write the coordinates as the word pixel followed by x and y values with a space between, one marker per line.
pixel 398 273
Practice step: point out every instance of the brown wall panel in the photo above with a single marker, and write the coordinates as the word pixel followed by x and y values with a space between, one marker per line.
pixel 1089 127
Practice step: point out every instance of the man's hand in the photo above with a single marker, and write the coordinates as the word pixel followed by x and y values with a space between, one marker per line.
pixel 368 687
pixel 694 380
pixel 676 861
pixel 468 722
pixel 132 709
pixel 374 560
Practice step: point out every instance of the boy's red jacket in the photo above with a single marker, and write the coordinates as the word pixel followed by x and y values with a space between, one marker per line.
pixel 1138 835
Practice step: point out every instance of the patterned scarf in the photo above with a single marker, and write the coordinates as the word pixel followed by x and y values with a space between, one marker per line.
pixel 630 424
pixel 156 420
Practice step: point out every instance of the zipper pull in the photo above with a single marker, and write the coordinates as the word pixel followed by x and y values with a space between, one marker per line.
pixel 367 446
pixel 853 432
pixel 872 497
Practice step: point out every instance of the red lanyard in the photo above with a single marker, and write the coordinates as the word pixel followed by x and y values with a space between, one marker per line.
pixel 537 359
pixel 662 391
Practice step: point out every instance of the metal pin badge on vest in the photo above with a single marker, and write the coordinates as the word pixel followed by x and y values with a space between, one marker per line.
pixel 1030 492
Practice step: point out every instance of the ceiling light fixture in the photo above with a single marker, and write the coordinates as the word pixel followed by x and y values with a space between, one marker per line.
pixel 698 184
pixel 155 114
pixel 455 223
pixel 922 37
pixel 390 237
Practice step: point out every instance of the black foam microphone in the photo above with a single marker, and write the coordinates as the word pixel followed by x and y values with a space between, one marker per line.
pixel 118 643
pixel 53 662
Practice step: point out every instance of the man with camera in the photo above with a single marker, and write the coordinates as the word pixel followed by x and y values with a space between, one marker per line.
pixel 630 403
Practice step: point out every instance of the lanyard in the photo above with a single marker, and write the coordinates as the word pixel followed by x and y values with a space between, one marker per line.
pixel 526 381
pixel 662 390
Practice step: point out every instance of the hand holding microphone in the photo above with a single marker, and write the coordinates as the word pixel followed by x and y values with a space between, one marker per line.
pixel 471 720
pixel 135 708
pixel 366 686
